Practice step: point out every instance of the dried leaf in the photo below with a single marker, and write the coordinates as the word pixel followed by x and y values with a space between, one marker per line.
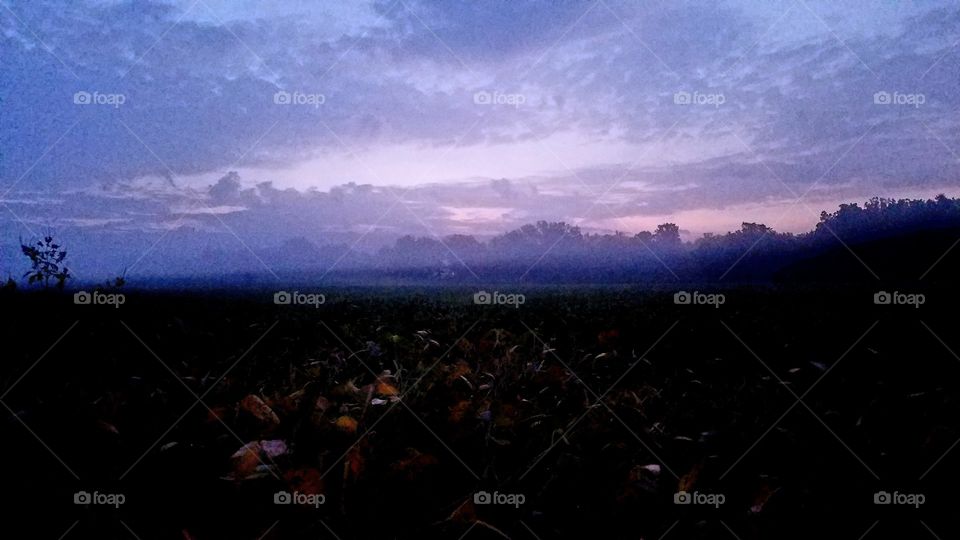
pixel 218 414
pixel 460 369
pixel 345 390
pixel 346 424
pixel 413 464
pixel 458 411
pixel 246 460
pixel 353 464
pixel 688 480
pixel 608 336
pixel 271 448
pixel 386 389
pixel 322 404
pixel 761 498
pixel 258 409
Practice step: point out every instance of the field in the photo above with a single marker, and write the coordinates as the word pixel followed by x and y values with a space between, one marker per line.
pixel 782 413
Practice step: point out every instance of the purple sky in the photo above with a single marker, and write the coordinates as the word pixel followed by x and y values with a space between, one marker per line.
pixel 360 121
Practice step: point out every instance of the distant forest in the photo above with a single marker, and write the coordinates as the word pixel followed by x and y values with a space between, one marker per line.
pixel 905 239
pixel 882 232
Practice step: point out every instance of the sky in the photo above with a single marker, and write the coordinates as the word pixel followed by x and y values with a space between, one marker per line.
pixel 256 122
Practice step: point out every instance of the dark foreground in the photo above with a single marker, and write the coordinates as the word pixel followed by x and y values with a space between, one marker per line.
pixel 784 413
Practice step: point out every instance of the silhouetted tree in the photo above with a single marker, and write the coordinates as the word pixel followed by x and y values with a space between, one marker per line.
pixel 46 262
pixel 667 235
pixel 754 230
pixel 756 250
pixel 644 236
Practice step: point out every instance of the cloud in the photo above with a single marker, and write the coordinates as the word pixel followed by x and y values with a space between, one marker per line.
pixel 477 116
